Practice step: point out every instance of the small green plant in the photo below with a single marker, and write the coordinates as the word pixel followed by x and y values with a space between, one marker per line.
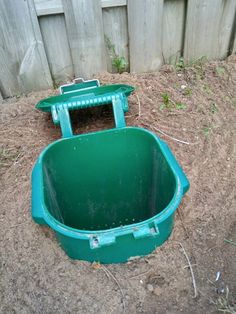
pixel 180 105
pixel 220 71
pixel 214 108
pixel 196 64
pixel 170 104
pixel 206 131
pixel 166 102
pixel 118 62
pixel 206 88
pixel 198 67
pixel 187 91
pixel 180 65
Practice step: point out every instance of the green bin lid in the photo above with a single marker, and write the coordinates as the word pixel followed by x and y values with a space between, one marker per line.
pixel 84 94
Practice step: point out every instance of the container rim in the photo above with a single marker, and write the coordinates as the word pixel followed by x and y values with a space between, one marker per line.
pixel 86 234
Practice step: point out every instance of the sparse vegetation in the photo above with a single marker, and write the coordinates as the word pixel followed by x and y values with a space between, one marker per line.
pixel 214 108
pixel 220 70
pixel 206 130
pixel 170 104
pixel 118 62
pixel 197 66
pixel 223 304
pixel 187 91
pixel 180 65
pixel 206 88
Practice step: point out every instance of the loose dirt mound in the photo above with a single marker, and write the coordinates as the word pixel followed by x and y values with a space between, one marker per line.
pixel 194 110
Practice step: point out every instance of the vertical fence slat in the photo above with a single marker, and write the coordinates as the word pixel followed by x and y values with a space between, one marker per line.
pixel 23 60
pixel 226 25
pixel 57 47
pixel 86 38
pixel 207 30
pixel 173 30
pixel 201 29
pixel 145 34
pixel 116 33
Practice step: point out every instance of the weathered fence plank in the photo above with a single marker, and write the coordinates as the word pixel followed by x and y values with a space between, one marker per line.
pixel 86 37
pixel 116 33
pixel 48 7
pixel 23 60
pixel 113 3
pixel 173 30
pixel 145 34
pixel 57 47
pixel 208 28
pixel 226 25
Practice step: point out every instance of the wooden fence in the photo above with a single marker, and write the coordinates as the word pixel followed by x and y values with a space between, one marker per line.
pixel 46 41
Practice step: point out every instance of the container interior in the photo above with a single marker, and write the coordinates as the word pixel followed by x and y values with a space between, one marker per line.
pixel 106 179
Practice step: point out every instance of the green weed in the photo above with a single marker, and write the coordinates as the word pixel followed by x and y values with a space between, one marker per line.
pixel 180 65
pixel 220 71
pixel 214 108
pixel 206 131
pixel 118 62
pixel 206 88
pixel 170 104
pixel 196 64
pixel 187 91
pixel 180 105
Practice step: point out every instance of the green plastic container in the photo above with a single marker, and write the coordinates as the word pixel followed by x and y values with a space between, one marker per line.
pixel 108 195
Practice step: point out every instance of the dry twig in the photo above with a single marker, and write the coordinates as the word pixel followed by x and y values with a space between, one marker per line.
pixel 171 137
pixel 141 274
pixel 109 274
pixel 190 267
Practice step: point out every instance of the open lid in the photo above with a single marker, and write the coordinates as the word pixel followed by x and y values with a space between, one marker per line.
pixel 84 94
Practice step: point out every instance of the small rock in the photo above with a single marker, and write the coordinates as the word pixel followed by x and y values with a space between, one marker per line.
pixel 183 86
pixel 150 287
pixel 157 291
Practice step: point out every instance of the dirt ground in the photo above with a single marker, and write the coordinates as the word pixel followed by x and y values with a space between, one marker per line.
pixel 194 110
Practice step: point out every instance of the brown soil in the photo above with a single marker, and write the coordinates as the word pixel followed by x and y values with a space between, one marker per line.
pixel 36 275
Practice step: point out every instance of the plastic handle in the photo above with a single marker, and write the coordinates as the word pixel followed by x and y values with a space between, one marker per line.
pixel 174 163
pixel 109 238
pixel 37 207
pixel 99 241
pixel 146 231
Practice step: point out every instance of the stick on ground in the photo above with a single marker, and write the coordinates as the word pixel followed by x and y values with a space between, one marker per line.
pixel 190 267
pixel 109 274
